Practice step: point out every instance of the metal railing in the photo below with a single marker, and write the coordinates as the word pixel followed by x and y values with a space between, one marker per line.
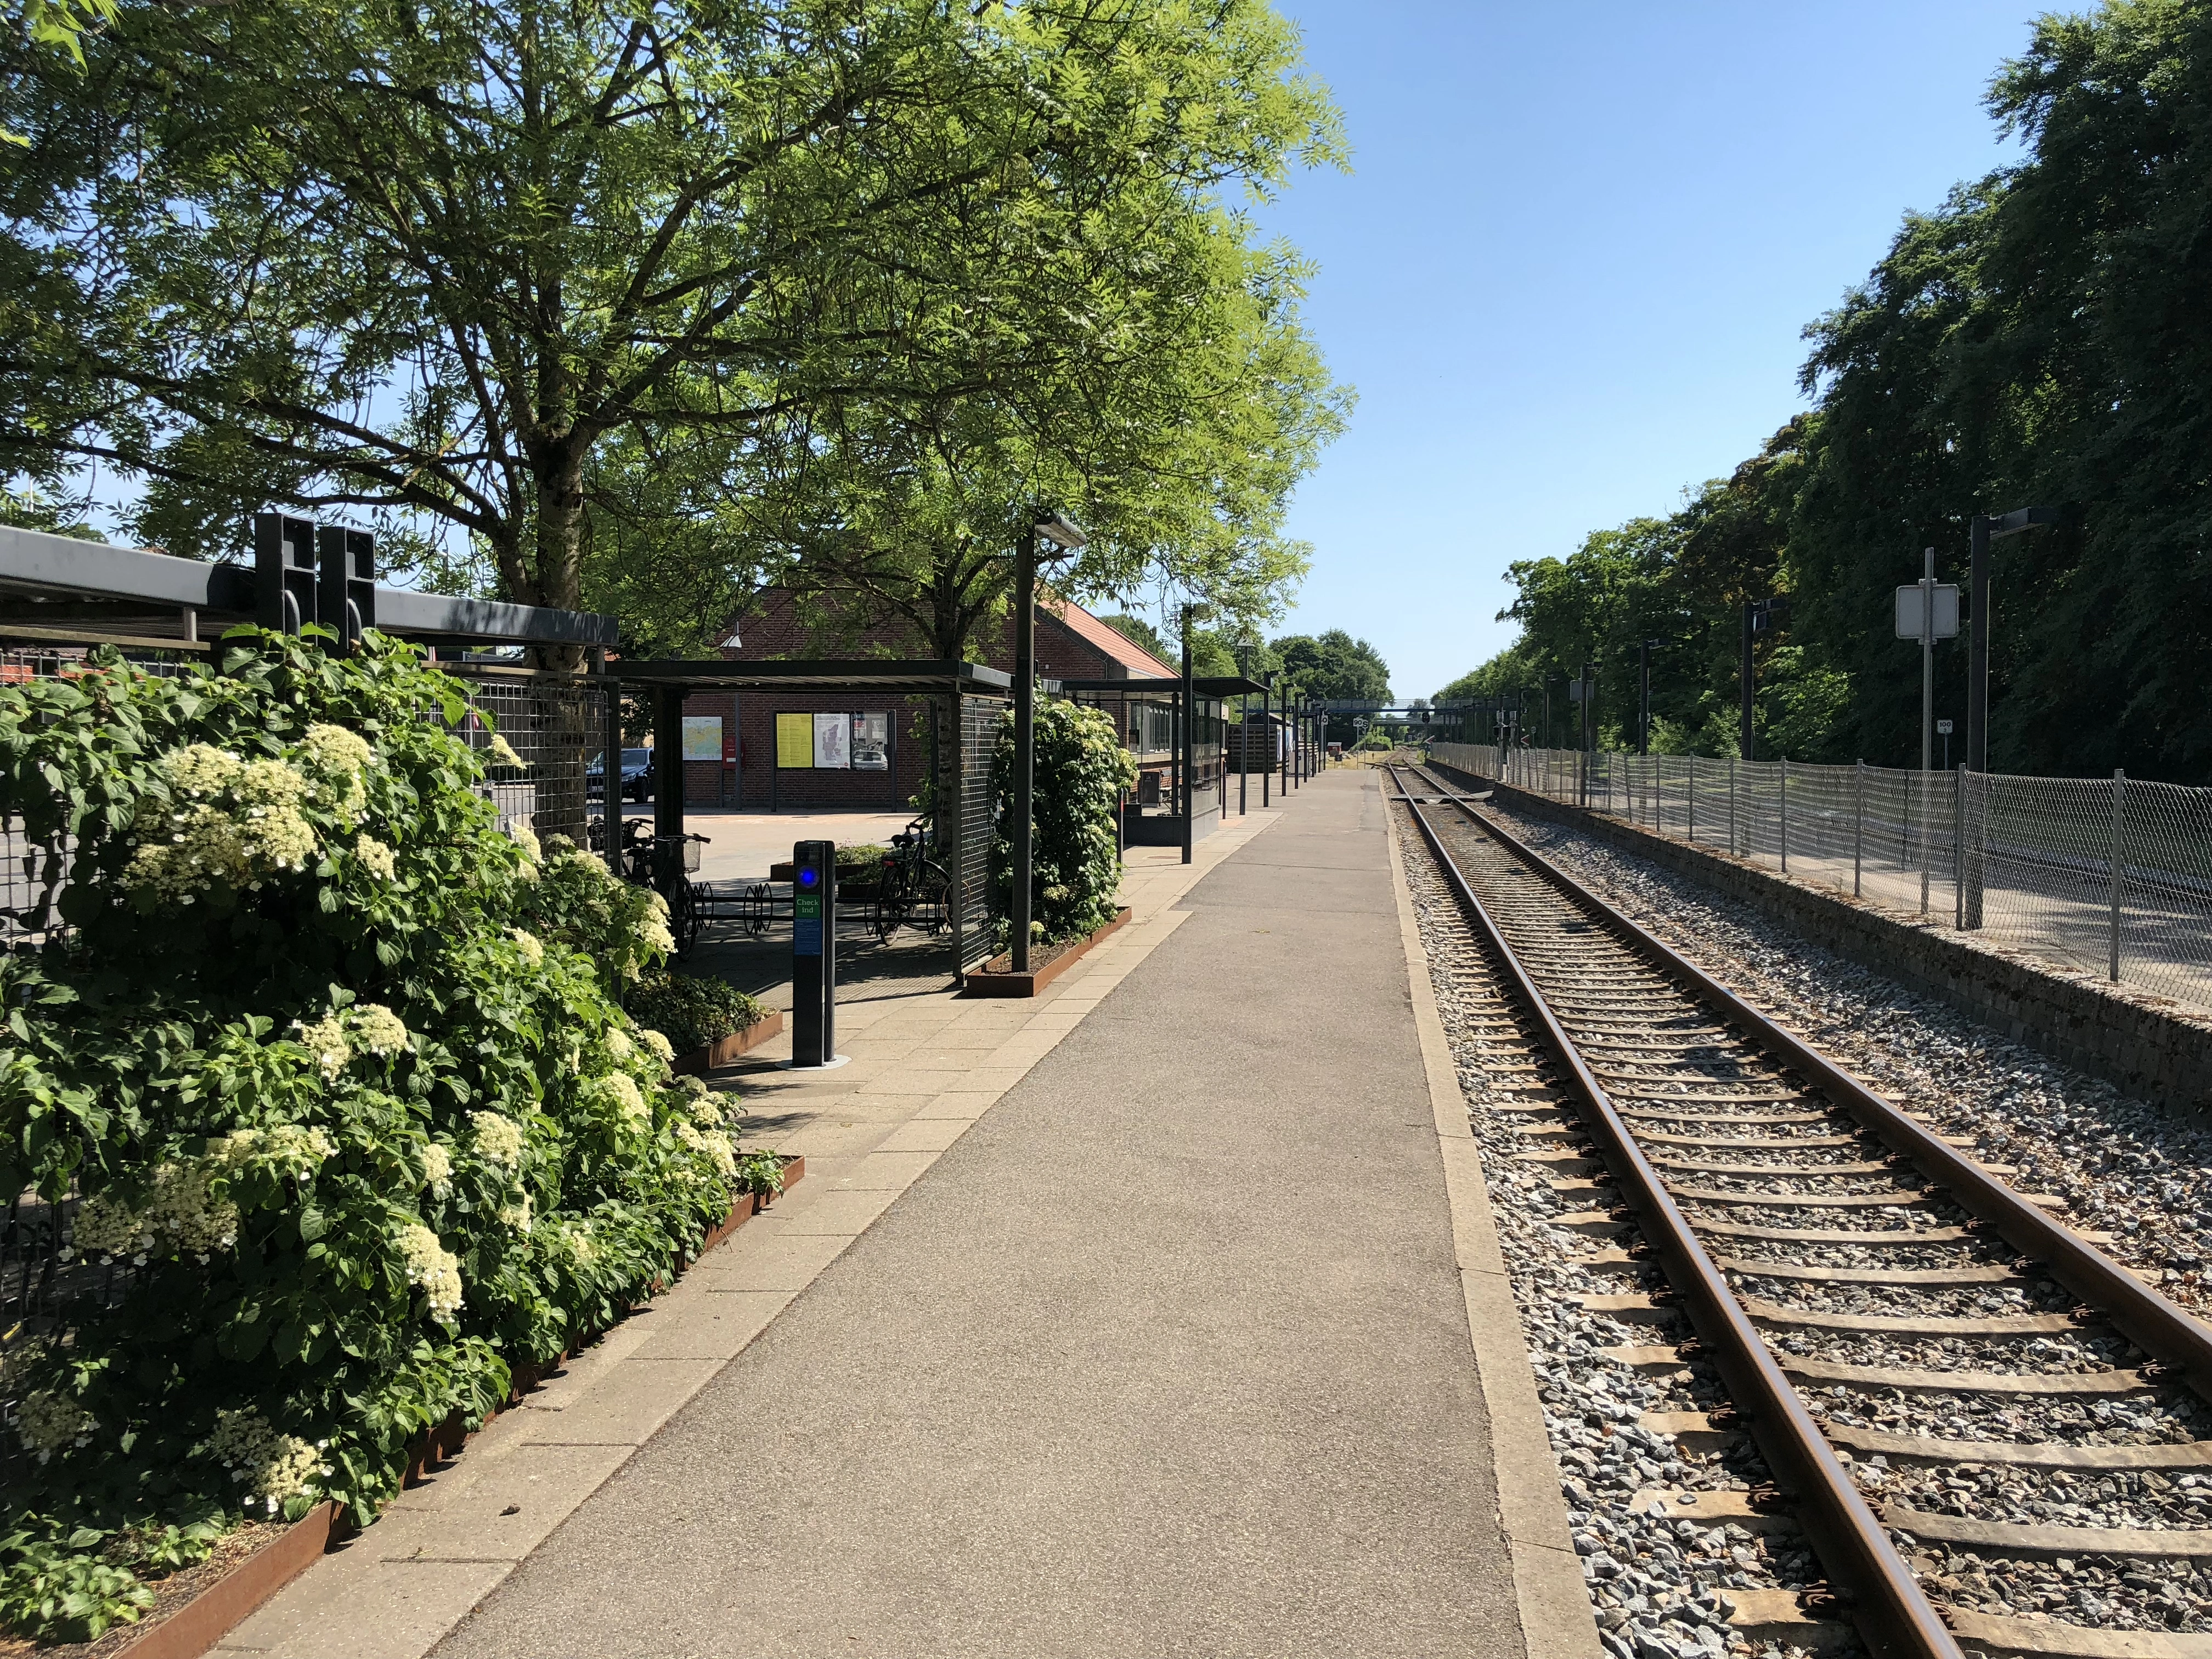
pixel 2105 878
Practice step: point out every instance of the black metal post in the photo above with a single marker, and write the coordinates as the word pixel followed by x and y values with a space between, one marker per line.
pixel 1643 696
pixel 1244 749
pixel 1744 740
pixel 1024 743
pixel 1978 646
pixel 813 953
pixel 1189 754
pixel 1268 724
pixel 611 737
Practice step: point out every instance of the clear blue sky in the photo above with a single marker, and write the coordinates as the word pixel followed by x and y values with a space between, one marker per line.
pixel 1568 271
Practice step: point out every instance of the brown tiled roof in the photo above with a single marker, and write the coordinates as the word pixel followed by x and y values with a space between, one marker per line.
pixel 1140 663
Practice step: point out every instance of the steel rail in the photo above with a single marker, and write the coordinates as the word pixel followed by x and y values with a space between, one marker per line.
pixel 2142 1313
pixel 1873 1582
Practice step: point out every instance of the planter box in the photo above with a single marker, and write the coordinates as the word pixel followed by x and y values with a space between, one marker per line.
pixel 223 1605
pixel 794 1171
pixel 984 982
pixel 196 1627
pixel 726 1049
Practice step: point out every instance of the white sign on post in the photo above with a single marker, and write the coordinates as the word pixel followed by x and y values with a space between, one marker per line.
pixel 1909 608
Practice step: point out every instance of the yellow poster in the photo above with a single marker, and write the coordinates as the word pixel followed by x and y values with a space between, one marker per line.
pixel 794 739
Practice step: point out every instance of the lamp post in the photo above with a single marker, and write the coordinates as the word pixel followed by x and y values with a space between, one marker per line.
pixel 1643 695
pixel 1985 529
pixel 1187 751
pixel 1048 526
pixel 1758 615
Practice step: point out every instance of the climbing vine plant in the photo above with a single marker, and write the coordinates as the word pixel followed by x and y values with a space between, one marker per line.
pixel 1082 771
pixel 339 1073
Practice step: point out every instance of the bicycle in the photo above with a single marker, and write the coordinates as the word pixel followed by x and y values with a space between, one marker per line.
pixel 912 889
pixel 664 863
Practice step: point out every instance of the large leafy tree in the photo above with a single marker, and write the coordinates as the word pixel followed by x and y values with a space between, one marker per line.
pixel 1104 339
pixel 538 284
pixel 2040 338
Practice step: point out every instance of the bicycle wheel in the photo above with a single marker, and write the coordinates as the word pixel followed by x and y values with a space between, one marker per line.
pixel 684 919
pixel 935 899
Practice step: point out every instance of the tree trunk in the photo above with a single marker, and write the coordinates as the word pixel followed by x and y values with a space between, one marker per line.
pixel 567 718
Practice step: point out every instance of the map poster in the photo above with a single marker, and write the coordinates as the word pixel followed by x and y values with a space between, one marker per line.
pixel 832 741
pixel 871 743
pixel 703 737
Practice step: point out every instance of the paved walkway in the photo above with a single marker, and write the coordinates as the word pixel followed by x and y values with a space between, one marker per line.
pixel 1163 1348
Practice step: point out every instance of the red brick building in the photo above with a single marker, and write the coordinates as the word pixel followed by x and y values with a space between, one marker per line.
pixel 853 751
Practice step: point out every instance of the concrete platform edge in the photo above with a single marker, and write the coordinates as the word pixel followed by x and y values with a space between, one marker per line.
pixel 1556 1620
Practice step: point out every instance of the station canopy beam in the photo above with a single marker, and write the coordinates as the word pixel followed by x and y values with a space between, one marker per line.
pixel 61 588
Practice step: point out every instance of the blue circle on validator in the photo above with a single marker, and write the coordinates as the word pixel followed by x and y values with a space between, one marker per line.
pixel 807 878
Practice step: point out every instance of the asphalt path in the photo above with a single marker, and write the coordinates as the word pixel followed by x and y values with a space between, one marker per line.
pixel 1167 1355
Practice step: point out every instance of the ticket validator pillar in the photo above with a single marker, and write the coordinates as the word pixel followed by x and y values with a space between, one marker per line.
pixel 814 953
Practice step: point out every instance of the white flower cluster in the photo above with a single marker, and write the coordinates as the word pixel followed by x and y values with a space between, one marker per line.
pixel 498 1140
pixel 515 1213
pixel 617 1043
pixel 501 752
pixel 618 1091
pixel 532 947
pixel 236 821
pixel 663 1050
pixel 326 1041
pixel 702 1105
pixel 339 757
pixel 654 933
pixel 284 1149
pixel 47 1423
pixel 575 1238
pixel 332 1039
pixel 711 1142
pixel 379 1029
pixel 527 838
pixel 432 1267
pixel 437 1168
pixel 271 1466
pixel 182 1215
pixel 375 857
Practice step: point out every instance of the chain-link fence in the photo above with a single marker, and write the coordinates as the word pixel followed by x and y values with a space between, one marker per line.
pixel 2105 876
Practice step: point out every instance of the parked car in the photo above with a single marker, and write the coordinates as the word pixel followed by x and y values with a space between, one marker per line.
pixel 636 775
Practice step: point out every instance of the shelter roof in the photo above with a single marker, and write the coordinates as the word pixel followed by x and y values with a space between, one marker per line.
pixel 1118 645
pixel 892 677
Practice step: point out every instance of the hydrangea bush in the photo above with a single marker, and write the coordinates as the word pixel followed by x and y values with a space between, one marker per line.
pixel 342 1073
pixel 1081 773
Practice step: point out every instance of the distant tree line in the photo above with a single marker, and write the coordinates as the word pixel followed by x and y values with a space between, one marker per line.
pixel 1331 666
pixel 2043 337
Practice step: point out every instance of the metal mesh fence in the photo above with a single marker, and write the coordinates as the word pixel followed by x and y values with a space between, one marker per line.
pixel 556 724
pixel 980 720
pixel 2110 878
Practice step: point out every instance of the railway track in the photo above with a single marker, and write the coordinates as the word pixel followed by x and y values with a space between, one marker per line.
pixel 1872 1299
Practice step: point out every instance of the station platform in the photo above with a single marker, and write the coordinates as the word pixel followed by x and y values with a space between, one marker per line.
pixel 1159 1315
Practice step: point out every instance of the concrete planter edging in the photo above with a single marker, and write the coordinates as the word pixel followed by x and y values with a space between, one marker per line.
pixel 195 1627
pixel 978 982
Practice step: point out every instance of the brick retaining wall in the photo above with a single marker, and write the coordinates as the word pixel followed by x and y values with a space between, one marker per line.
pixel 2150 1046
